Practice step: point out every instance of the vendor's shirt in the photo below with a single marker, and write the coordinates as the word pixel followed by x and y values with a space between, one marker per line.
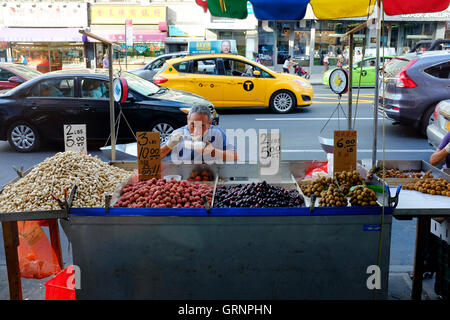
pixel 444 142
pixel 214 135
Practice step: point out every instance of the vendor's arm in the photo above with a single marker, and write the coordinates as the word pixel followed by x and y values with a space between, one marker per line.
pixel 225 155
pixel 439 155
pixel 165 150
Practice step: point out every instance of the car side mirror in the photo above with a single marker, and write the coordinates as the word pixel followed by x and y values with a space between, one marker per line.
pixel 131 98
pixel 15 79
pixel 257 73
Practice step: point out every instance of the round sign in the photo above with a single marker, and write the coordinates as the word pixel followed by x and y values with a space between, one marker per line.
pixel 248 85
pixel 339 81
pixel 120 90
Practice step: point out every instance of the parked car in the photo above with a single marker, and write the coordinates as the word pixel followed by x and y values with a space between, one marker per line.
pixel 11 75
pixel 150 69
pixel 414 84
pixel 233 81
pixel 430 45
pixel 38 109
pixel 364 70
pixel 440 123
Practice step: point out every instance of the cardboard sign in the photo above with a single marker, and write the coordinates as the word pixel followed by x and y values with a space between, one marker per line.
pixel 269 154
pixel 344 152
pixel 149 155
pixel 75 138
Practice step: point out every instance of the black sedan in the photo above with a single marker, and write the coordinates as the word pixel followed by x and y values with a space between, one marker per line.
pixel 36 111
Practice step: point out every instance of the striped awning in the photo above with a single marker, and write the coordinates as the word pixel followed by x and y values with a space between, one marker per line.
pixel 323 9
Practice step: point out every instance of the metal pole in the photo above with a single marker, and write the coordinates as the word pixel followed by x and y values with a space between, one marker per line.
pixel 311 46
pixel 126 47
pixel 377 79
pixel 350 82
pixel 111 104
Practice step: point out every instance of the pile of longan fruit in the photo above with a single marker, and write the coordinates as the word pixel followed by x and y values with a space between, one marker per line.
pixel 348 179
pixel 333 197
pixel 439 186
pixel 318 186
pixel 362 196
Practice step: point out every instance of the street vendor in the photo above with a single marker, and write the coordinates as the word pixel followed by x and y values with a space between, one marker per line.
pixel 442 152
pixel 199 139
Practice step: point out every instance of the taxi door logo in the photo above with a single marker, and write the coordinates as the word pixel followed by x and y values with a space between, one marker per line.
pixel 248 86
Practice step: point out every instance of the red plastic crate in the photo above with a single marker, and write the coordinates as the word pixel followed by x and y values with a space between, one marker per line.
pixel 57 287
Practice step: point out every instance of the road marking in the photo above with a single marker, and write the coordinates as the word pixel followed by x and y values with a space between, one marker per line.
pixel 308 119
pixel 335 98
pixel 343 102
pixel 361 150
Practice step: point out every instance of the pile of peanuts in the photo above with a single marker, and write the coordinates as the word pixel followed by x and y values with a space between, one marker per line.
pixel 93 177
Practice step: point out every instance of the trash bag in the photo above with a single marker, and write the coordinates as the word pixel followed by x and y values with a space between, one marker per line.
pixel 37 259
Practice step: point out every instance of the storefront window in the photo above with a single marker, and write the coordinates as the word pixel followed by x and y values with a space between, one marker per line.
pixel 283 34
pixel 265 45
pixel 49 57
pixel 139 54
pixel 416 31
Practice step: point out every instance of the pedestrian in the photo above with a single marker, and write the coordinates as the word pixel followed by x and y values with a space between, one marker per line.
pixel 105 61
pixel 287 63
pixel 340 60
pixel 442 153
pixel 325 62
pixel 358 56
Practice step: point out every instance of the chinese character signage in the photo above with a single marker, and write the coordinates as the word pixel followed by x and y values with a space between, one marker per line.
pixel 344 156
pixel 117 14
pixel 45 14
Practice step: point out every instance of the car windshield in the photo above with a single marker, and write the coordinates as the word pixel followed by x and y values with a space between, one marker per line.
pixel 140 85
pixel 25 72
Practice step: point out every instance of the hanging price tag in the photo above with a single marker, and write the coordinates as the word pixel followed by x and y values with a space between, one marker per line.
pixel 344 154
pixel 75 138
pixel 269 152
pixel 149 155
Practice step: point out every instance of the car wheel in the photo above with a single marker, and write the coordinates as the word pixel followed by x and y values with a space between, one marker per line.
pixel 23 137
pixel 427 119
pixel 282 101
pixel 165 129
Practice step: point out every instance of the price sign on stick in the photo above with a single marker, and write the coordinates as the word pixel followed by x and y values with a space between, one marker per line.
pixel 149 155
pixel 344 154
pixel 269 152
pixel 75 138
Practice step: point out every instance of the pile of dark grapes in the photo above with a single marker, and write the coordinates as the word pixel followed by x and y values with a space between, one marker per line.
pixel 259 194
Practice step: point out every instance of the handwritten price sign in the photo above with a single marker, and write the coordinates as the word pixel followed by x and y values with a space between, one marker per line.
pixel 149 155
pixel 344 156
pixel 269 152
pixel 75 138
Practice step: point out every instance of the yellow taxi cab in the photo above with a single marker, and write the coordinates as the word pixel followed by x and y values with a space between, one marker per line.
pixel 229 80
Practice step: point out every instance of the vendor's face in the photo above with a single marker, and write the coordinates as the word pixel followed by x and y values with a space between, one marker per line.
pixel 198 124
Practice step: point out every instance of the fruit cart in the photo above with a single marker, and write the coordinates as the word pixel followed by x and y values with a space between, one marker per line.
pixel 230 253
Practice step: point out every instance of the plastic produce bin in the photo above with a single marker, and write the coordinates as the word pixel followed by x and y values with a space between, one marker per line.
pixel 58 288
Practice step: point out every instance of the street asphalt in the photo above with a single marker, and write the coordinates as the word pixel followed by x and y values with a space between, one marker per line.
pixel 299 136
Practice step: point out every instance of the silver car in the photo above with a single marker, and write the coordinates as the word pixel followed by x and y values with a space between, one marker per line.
pixel 150 69
pixel 414 84
pixel 440 124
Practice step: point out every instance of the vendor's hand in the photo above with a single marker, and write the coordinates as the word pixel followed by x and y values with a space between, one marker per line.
pixel 174 140
pixel 447 148
pixel 209 149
